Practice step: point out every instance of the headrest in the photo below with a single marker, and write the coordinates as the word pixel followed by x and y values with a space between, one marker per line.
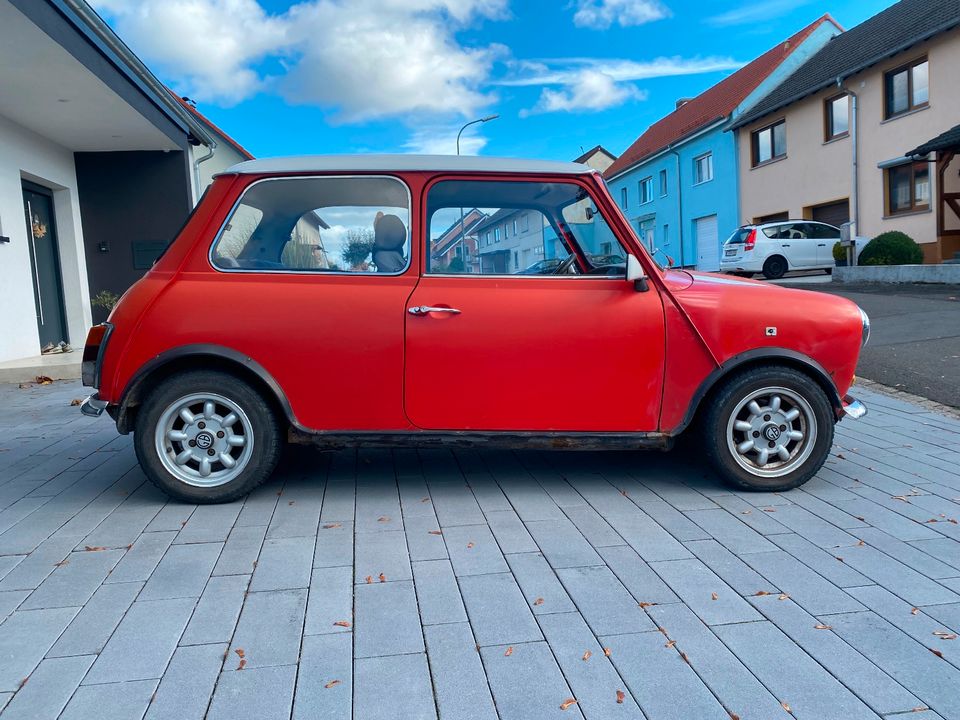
pixel 389 233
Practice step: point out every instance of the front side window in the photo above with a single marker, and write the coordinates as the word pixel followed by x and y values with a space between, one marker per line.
pixel 559 229
pixel 703 168
pixel 646 190
pixel 769 143
pixel 836 117
pixel 908 188
pixel 318 224
pixel 906 88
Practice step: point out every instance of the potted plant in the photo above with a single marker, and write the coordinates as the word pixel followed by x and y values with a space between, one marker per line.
pixel 839 255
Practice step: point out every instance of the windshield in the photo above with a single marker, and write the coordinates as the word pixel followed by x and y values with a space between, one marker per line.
pixel 739 236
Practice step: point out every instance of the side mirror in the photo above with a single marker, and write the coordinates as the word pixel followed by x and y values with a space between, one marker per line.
pixel 635 274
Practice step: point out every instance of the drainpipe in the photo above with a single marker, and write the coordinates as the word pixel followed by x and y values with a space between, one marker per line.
pixel 855 168
pixel 197 192
pixel 679 202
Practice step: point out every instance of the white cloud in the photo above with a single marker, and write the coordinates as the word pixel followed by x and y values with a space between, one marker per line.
pixel 754 12
pixel 601 14
pixel 589 90
pixel 443 141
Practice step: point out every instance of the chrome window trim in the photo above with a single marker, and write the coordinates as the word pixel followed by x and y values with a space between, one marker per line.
pixel 314 273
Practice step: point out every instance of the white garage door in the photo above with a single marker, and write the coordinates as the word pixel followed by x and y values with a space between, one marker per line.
pixel 708 245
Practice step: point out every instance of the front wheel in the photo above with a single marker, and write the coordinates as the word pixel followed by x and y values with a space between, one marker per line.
pixel 206 437
pixel 768 429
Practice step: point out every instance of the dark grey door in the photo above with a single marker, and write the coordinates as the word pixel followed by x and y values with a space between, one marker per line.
pixel 45 264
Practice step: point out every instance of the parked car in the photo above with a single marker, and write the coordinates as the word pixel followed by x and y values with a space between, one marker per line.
pixel 542 267
pixel 235 341
pixel 776 247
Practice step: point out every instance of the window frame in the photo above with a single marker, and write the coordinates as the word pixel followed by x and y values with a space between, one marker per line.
pixel 648 181
pixel 696 167
pixel 828 134
pixel 624 204
pixel 755 144
pixel 411 236
pixel 911 107
pixel 914 207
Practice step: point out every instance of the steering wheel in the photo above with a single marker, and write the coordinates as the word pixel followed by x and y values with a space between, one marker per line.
pixel 564 267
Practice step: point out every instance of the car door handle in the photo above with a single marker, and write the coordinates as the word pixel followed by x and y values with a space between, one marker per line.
pixel 427 309
pixel 821 244
pixel 785 245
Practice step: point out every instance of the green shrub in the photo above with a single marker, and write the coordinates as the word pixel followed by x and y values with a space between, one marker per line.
pixel 891 248
pixel 839 252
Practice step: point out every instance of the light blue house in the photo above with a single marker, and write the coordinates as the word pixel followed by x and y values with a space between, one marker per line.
pixel 677 184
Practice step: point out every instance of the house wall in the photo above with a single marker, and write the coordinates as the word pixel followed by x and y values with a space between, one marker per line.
pixel 27 156
pixel 224 156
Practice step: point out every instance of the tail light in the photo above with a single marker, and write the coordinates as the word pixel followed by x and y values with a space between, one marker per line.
pixel 96 343
pixel 751 240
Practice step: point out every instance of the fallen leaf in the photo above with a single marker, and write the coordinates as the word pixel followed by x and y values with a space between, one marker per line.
pixel 932 520
pixel 369 579
pixel 841 559
pixel 508 652
pixel 840 455
pixel 76 401
pixel 944 635
pixel 733 715
pixel 242 665
pixel 620 697
pixel 821 626
pixel 783 596
pixel 586 656
pixel 469 545
pixel 936 652
pixel 239 652
pixel 760 593
pixel 670 643
pixel 383 519
pixel 859 518
pixel 606 651
pixel 381 577
pixel 342 623
pixel 914 611
pixel 922 708
pixel 291 502
pixel 331 684
pixel 426 499
pixel 861 543
pixel 646 604
pixel 769 509
pixel 538 601
pixel 567 703
pixel 331 526
pixel 129 546
pixel 43 380
pixel 23 682
pixel 684 657
pixel 65 561
pixel 746 512
pixel 786 707
pixel 93 548
pixel 435 532
pixel 714 596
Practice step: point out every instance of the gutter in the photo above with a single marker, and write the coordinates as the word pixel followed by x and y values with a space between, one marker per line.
pixel 679 201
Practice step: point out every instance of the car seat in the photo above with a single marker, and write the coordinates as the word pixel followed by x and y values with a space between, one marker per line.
pixel 389 236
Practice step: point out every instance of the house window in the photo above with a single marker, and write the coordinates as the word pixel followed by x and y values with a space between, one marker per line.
pixel 908 188
pixel 496 235
pixel 488 237
pixel 906 88
pixel 514 226
pixel 506 230
pixel 623 198
pixel 703 168
pixel 836 117
pixel 525 222
pixel 516 260
pixel 663 183
pixel 646 190
pixel 769 143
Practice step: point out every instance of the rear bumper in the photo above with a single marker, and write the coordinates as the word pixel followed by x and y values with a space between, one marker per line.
pixel 853 407
pixel 93 406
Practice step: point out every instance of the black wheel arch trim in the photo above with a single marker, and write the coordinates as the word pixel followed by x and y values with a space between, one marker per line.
pixel 792 357
pixel 120 412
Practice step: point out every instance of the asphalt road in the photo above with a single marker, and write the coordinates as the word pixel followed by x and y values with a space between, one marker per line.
pixel 915 343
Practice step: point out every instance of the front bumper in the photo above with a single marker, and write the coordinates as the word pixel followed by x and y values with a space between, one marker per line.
pixel 853 407
pixel 93 406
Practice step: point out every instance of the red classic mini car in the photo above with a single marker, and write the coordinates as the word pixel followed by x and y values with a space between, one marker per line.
pixel 377 300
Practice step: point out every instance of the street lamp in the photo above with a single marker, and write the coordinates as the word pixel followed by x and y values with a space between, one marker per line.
pixel 463 240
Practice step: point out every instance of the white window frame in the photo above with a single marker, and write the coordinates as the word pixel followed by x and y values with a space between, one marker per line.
pixel 648 183
pixel 663 182
pixel 706 157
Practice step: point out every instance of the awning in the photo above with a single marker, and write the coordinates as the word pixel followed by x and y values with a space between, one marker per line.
pixel 950 140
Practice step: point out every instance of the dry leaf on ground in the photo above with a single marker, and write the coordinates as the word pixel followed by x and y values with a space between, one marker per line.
pixel 76 401
pixel 508 652
pixel 342 623
pixel 331 684
pixel 538 601
pixel 714 596
pixel 606 651
pixel 434 532
pixel 620 697
pixel 243 664
pixel 821 626
pixel 567 703
pixel 586 655
pixel 93 548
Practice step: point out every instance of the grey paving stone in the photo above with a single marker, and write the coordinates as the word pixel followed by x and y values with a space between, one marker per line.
pixel 809 690
pixel 171 517
pixel 473 550
pixel 592 526
pixel 297 513
pixel 730 568
pixel 906 660
pixel 455 504
pixel 728 530
pixel 539 583
pixel 339 502
pixel 648 666
pixel 270 627
pixel 74 581
pixel 182 572
pixel 511 535
pixel 117 701
pixel 907 554
pixel 216 614
pixel 697 586
pixel 826 511
pixel 50 687
pixel 188 683
pixel 264 693
pixel 438 593
pixel 735 686
pixel 459 682
pixel 326 661
pixel 489 496
pixel 818 531
pixel 96 621
pixel 10 600
pixel 529 500
pixel 944 549
pixel 209 523
pixel 25 637
pixel 673 521
pixel 527 684
pixel 386 620
pixel 334 546
pixel 497 610
pixel 594 681
pixel 756 517
pixel 240 552
pixel 124 525
pixel 877 689
pixel 383 684
pixel 603 601
pixel 8 562
pixel 382 552
pixel 890 522
pixel 562 544
pixel 143 642
pixel 807 588
pixel 34 569
pixel 285 563
pixel 258 507
pixel 637 577
pixel 897 577
pixel 651 541
pixel 821 561
pixel 139 562
pixel 948 615
pixel 424 538
pixel 331 601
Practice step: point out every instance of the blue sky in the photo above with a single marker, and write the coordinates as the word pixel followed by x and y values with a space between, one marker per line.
pixel 335 76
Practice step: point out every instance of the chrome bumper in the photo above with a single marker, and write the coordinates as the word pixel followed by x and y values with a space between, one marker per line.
pixel 853 407
pixel 93 406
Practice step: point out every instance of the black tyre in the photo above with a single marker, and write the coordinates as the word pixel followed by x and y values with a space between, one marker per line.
pixel 829 271
pixel 768 428
pixel 206 437
pixel 775 267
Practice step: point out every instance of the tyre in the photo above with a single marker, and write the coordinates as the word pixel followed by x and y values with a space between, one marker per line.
pixel 768 428
pixel 205 437
pixel 775 267
pixel 829 271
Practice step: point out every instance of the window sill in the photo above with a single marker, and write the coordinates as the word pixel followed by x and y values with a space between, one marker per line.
pixel 904 114
pixel 896 216
pixel 702 182
pixel 836 138
pixel 768 162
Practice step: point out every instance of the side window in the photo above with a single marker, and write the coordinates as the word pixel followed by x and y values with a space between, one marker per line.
pixel 556 230
pixel 318 224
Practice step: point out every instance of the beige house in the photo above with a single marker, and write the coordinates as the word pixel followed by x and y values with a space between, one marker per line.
pixel 830 142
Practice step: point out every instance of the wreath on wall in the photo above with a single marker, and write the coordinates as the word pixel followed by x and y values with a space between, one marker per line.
pixel 38 228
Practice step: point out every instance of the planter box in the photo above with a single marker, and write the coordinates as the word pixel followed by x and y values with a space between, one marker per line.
pixel 946 274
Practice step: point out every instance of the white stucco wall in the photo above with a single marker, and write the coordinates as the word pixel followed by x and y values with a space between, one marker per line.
pixel 27 156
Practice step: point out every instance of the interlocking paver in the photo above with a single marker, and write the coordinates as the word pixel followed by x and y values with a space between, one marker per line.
pixel 729 531
pixel 241 550
pixel 637 576
pixel 438 593
pixel 216 614
pixel 498 612
pixel 117 701
pixel 704 592
pixel 74 581
pixel 603 601
pixel 96 621
pixel 330 602
pixel 50 688
pixel 562 544
pixel 463 694
pixel 25 637
pixel 187 684
pixel 902 580
pixel 265 693
pixel 139 562
pixel 182 572
pixel 473 550
pixel 384 684
pixel 821 561
pixel 730 568
pixel 270 627
pixel 334 546
pixel 809 590
pixel 527 684
pixel 386 621
pixel 539 583
pixel 382 553
pixel 510 534
pixel 325 679
pixel 285 563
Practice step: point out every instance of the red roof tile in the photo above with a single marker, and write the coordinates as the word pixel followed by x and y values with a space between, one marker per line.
pixel 713 104
pixel 206 121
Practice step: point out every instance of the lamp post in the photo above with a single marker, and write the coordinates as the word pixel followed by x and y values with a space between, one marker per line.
pixel 463 240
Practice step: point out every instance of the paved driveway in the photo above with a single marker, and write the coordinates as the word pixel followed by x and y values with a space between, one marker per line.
pixel 478 584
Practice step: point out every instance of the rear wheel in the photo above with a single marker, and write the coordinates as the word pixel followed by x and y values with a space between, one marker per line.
pixel 775 267
pixel 768 429
pixel 206 437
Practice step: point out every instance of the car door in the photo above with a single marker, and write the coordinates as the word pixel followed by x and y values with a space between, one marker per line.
pixel 825 236
pixel 797 245
pixel 494 351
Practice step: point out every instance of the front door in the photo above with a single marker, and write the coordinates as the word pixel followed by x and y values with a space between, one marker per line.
pixel 44 265
pixel 575 348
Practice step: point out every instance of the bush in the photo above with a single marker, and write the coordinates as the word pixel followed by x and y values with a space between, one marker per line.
pixel 839 252
pixel 891 248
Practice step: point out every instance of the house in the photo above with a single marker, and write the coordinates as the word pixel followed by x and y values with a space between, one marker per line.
pixel 460 237
pixel 677 184
pixel 597 157
pixel 943 151
pixel 827 143
pixel 99 167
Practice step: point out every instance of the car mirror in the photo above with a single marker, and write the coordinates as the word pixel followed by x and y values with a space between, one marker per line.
pixel 635 273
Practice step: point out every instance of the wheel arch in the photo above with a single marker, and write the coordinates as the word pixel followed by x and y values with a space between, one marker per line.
pixel 198 357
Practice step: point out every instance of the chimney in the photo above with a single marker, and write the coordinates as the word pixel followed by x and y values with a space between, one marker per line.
pixel 682 101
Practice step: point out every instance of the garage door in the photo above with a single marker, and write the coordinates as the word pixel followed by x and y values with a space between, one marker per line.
pixel 833 213
pixel 708 244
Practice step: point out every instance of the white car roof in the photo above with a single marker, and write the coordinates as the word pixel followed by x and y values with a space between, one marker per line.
pixel 405 163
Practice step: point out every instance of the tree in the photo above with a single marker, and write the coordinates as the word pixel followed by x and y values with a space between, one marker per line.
pixel 358 247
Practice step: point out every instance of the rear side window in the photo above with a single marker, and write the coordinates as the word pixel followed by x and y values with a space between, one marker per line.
pixel 318 224
pixel 739 236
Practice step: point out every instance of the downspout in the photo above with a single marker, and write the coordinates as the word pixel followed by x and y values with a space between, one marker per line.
pixel 679 203
pixel 855 167
pixel 197 192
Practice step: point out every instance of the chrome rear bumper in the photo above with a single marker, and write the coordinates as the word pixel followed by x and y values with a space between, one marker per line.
pixel 93 406
pixel 853 407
